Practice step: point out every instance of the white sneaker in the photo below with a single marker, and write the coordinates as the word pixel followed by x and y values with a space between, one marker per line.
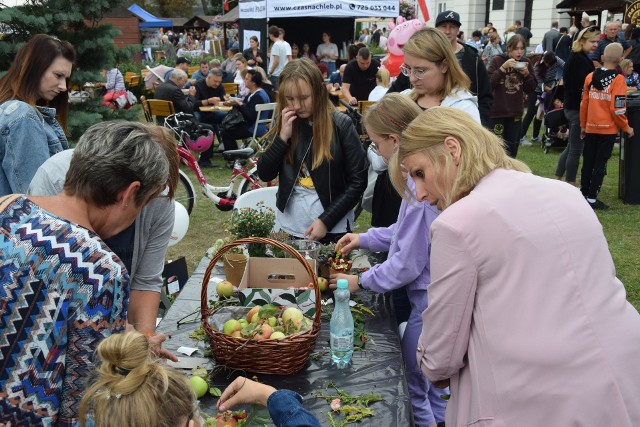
pixel 525 141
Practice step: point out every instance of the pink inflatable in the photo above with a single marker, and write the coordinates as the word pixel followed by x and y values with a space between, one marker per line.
pixel 400 33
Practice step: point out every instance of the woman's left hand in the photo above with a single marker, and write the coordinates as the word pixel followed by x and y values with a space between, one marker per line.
pixel 316 231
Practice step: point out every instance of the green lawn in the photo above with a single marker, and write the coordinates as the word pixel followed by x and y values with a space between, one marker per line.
pixel 620 222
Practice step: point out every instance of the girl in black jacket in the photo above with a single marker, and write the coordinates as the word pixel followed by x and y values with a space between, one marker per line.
pixel 316 154
pixel 576 69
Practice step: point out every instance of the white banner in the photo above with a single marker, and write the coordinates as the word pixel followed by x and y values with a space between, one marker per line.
pixel 321 8
pixel 252 9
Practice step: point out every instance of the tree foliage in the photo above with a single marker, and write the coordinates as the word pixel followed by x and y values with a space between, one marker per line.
pixel 79 23
pixel 176 8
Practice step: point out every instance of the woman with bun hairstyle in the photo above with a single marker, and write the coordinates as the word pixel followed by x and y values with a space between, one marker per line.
pixel 132 389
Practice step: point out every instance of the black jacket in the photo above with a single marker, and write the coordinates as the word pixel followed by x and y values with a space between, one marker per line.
pixel 169 91
pixel 339 183
pixel 473 67
pixel 576 70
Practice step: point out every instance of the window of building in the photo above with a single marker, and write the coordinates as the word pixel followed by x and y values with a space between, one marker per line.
pixel 498 5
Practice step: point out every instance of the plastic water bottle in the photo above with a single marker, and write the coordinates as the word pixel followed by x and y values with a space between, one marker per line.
pixel 341 326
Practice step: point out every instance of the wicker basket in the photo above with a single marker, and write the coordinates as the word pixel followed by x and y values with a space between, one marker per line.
pixel 282 357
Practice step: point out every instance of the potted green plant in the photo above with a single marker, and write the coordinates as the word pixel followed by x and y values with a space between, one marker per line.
pixel 252 222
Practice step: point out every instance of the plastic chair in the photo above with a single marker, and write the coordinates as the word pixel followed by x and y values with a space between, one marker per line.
pixel 266 195
pixel 260 108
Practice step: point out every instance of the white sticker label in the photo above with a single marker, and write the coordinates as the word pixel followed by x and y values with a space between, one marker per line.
pixel 173 287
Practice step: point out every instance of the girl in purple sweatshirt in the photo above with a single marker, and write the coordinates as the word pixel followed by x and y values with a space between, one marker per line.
pixel 407 264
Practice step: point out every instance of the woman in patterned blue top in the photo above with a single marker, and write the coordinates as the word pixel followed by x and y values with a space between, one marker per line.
pixel 62 290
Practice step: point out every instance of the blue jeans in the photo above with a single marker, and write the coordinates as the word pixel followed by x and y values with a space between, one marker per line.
pixel 570 158
pixel 286 410
pixel 330 65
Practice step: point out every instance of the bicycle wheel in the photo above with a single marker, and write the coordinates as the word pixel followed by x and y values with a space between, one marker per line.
pixel 185 193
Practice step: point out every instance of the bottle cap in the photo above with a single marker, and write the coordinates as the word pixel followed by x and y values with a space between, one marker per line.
pixel 343 284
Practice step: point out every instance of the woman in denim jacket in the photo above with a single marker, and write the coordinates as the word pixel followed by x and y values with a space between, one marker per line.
pixel 32 93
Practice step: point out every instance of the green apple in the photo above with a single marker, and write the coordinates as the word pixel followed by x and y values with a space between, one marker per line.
pixel 252 312
pixel 224 289
pixel 272 321
pixel 231 326
pixel 277 335
pixel 323 284
pixel 199 386
pixel 292 313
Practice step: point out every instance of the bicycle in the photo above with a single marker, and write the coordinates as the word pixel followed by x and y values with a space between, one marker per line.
pixel 244 175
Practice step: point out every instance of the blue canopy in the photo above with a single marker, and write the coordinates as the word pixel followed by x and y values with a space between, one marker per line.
pixel 148 19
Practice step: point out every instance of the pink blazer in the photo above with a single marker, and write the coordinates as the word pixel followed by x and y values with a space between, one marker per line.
pixel 526 316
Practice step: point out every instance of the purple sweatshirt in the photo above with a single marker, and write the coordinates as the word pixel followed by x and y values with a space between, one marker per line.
pixel 408 244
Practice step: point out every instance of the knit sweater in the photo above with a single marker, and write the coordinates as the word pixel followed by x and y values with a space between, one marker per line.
pixel 604 103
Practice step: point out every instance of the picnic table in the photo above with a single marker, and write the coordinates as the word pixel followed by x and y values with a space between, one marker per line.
pixel 377 369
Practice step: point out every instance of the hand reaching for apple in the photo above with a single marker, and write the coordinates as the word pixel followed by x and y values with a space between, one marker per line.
pixel 348 242
pixel 243 390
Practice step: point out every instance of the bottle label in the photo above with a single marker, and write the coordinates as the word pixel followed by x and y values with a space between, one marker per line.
pixel 341 343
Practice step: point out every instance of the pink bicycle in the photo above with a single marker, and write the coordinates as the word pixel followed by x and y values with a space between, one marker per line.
pixel 191 136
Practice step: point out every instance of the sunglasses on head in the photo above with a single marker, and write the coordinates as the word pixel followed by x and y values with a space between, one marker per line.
pixel 590 29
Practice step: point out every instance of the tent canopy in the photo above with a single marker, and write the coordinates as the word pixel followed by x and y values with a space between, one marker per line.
pixel 148 19
pixel 592 6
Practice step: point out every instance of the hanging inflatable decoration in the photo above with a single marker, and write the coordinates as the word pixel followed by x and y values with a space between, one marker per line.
pixel 181 224
pixel 400 34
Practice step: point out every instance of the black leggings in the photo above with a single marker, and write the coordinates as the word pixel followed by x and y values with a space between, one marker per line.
pixel 597 151
pixel 509 129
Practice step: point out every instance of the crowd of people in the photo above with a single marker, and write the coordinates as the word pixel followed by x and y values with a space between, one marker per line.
pixel 516 321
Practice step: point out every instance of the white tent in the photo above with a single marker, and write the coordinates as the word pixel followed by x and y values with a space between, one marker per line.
pixel 261 9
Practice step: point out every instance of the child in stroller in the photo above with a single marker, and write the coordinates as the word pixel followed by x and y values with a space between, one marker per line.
pixel 556 132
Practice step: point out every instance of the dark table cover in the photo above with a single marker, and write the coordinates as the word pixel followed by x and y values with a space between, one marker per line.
pixel 377 369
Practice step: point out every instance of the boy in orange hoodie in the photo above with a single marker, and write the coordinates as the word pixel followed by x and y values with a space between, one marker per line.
pixel 602 113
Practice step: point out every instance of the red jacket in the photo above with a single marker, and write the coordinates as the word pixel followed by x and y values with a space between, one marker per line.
pixel 604 103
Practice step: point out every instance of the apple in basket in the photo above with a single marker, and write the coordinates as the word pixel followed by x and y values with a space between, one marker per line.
pixel 253 314
pixel 230 326
pixel 293 315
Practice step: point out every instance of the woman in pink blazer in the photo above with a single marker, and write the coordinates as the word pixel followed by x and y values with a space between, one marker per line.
pixel 526 319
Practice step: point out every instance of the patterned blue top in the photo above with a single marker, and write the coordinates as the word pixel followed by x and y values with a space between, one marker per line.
pixel 61 292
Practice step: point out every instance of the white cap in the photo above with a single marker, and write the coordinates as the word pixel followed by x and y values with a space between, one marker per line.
pixel 585 15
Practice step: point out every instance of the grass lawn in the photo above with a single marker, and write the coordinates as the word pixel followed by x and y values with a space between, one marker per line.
pixel 620 222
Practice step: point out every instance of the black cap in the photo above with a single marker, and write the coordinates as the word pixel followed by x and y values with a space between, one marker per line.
pixel 182 60
pixel 448 16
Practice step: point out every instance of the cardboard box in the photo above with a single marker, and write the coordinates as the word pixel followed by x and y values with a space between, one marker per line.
pixel 269 280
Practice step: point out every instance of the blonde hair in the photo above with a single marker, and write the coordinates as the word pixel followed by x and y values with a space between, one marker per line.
pixel 613 53
pixel 625 63
pixel 431 44
pixel 390 115
pixel 295 73
pixel 384 77
pixel 584 34
pixel 131 389
pixel 481 151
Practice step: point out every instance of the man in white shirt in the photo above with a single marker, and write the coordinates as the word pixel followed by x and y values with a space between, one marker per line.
pixel 279 57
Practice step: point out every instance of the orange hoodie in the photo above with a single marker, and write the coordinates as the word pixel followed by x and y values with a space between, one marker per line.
pixel 604 103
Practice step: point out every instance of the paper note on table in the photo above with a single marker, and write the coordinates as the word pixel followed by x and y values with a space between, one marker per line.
pixel 187 350
pixel 188 362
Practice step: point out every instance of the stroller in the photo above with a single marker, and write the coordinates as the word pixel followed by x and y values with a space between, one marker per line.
pixel 556 132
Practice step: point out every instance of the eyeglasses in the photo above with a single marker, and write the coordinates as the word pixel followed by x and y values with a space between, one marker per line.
pixel 418 73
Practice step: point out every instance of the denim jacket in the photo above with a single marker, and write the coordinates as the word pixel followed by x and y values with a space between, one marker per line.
pixel 286 410
pixel 27 138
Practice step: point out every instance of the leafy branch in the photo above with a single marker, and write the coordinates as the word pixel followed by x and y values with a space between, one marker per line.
pixel 354 408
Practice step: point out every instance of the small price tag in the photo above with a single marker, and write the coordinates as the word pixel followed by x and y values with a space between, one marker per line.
pixel 173 287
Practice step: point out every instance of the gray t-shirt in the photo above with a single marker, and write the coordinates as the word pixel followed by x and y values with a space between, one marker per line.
pixel 153 224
